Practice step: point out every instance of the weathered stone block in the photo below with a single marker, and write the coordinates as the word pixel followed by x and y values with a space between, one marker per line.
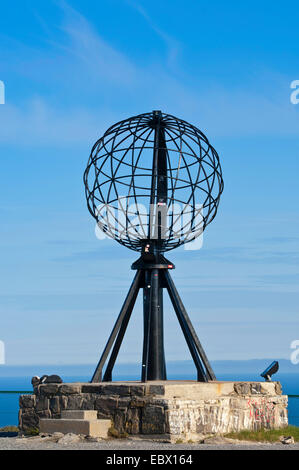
pixel 105 406
pixel 119 420
pixel 54 405
pixel 123 402
pixel 27 401
pixel 69 389
pixel 29 420
pixel 92 388
pixel 158 400
pixel 118 390
pixel 74 402
pixel 256 389
pixel 44 414
pixel 239 403
pixel 153 420
pixel 63 402
pixel 48 389
pixel 268 388
pixel 137 390
pixel 42 403
pixel 138 402
pixel 154 390
pixel 242 388
pixel 133 421
pixel 88 401
pixel 280 400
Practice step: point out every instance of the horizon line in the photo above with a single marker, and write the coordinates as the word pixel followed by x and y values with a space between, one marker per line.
pixel 136 363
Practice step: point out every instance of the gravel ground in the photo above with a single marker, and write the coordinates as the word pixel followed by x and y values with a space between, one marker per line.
pixel 37 443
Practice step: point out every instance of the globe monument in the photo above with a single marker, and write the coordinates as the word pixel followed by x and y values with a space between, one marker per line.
pixel 153 183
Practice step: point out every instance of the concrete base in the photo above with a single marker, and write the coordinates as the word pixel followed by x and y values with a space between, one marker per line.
pixel 176 409
pixel 77 422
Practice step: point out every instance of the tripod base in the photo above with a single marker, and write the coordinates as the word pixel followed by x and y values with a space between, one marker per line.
pixel 153 276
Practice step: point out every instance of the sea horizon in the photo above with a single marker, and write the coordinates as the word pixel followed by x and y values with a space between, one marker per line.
pixel 252 366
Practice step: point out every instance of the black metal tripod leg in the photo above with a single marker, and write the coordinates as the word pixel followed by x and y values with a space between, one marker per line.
pixel 146 320
pixel 161 307
pixel 128 304
pixel 201 375
pixel 108 372
pixel 153 360
pixel 189 331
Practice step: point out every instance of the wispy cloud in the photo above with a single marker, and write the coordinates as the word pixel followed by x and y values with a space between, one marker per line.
pixel 38 122
pixel 173 45
pixel 92 52
pixel 279 240
pixel 249 254
pixel 94 84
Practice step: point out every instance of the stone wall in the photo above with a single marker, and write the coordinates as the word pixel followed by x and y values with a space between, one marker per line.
pixel 183 410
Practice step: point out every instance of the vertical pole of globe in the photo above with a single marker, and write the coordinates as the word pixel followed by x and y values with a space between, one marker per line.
pixel 156 369
pixel 156 359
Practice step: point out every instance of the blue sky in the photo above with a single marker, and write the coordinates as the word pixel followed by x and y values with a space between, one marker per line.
pixel 71 69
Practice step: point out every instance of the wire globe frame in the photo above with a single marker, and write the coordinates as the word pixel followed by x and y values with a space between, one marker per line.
pixel 119 174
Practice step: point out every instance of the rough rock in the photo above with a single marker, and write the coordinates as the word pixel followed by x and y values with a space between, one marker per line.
pixel 69 439
pixel 35 381
pixel 287 440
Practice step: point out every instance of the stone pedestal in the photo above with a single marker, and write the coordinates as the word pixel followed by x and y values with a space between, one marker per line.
pixel 171 409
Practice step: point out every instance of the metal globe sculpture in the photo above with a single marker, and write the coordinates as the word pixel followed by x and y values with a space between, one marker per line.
pixel 153 159
pixel 153 182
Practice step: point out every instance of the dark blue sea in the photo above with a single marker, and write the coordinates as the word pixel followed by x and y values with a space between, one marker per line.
pixel 9 402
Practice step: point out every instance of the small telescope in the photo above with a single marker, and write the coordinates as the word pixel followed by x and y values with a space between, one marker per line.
pixel 272 369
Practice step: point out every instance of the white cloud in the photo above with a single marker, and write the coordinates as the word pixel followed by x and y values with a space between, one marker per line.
pixel 101 59
pixel 173 45
pixel 38 123
pixel 103 85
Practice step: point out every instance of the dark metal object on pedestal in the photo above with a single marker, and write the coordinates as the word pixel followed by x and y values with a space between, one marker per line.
pixel 172 181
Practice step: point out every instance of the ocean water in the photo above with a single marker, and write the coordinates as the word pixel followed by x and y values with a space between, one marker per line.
pixel 9 402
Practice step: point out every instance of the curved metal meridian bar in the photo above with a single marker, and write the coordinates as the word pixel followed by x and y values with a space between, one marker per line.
pixel 145 155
